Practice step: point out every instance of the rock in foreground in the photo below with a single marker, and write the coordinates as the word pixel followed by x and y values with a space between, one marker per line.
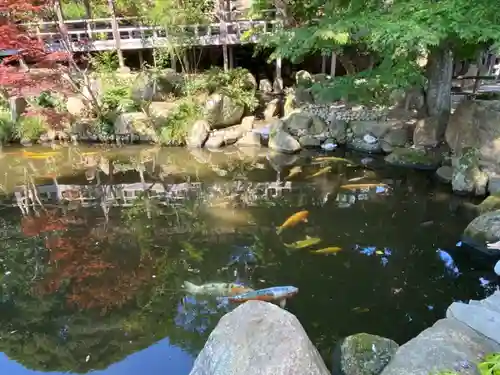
pixel 259 338
pixel 364 354
pixel 444 346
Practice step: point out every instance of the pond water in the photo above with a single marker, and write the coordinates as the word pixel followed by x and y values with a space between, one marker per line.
pixel 97 243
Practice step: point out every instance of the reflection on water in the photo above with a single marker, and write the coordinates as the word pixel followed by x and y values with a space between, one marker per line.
pixel 97 244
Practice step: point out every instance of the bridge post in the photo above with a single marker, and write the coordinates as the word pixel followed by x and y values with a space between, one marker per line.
pixel 116 33
pixel 333 64
pixel 278 67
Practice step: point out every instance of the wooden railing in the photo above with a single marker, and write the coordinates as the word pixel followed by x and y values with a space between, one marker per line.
pixel 97 34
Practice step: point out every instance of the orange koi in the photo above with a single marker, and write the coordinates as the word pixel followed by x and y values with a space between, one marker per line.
pixel 293 220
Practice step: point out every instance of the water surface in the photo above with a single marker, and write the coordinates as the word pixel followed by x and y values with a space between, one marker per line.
pixel 97 243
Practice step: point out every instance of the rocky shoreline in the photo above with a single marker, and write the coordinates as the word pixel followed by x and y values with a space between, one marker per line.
pixel 261 338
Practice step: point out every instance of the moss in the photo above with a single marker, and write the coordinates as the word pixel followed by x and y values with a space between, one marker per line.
pixel 491 203
pixel 408 156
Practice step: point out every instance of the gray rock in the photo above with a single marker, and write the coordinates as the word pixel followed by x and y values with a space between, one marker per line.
pixel 359 144
pixel 303 78
pixel 484 228
pixel 445 174
pixel 364 354
pixel 480 319
pixel 250 139
pixel 338 129
pixel 278 85
pixel 493 183
pixel 198 134
pixel 233 133
pixel 428 132
pixel 215 141
pixel 309 141
pixel 279 160
pixel 441 347
pixel 281 141
pixel 265 86
pixel 259 338
pixel 76 106
pixel 247 123
pixel 271 109
pixel 396 137
pixel 468 178
pixel 298 123
pixel 377 128
pixel 222 111
pixel 17 105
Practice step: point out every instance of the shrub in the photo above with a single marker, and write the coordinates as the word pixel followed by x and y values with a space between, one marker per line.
pixel 30 126
pixel 6 127
pixel 48 99
pixel 235 83
pixel 104 62
pixel 173 130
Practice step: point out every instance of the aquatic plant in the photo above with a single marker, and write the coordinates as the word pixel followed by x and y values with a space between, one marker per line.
pixel 490 365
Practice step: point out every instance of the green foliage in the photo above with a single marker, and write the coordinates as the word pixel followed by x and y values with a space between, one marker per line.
pixel 490 365
pixel 48 99
pixel 105 62
pixel 30 127
pixel 6 126
pixel 173 130
pixel 118 99
pixel 370 87
pixel 235 83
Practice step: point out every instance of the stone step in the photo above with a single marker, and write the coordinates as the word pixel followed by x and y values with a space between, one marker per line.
pixel 481 319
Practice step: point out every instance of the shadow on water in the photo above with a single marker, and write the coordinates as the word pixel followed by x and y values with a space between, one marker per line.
pixel 97 244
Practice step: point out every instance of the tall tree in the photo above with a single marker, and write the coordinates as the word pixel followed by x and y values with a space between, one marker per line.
pixel 397 32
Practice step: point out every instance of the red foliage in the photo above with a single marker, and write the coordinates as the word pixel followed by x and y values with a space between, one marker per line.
pixel 23 43
pixel 48 222
pixel 93 280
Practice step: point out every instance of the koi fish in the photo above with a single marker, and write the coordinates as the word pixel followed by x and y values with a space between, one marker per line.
pixel 332 158
pixel 216 289
pixel 358 309
pixel 309 241
pixel 356 179
pixel 293 220
pixel 327 250
pixel 294 172
pixel 45 154
pixel 277 293
pixel 363 186
pixel 320 172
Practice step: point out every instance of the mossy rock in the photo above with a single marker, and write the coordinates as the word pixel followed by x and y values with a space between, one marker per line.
pixel 491 203
pixel 413 158
pixel 483 229
pixel 363 354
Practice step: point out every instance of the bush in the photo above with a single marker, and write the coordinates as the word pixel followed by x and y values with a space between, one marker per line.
pixel 30 126
pixel 235 83
pixel 48 99
pixel 105 62
pixel 173 130
pixel 6 127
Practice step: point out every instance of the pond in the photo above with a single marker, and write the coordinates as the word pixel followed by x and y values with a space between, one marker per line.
pixel 98 243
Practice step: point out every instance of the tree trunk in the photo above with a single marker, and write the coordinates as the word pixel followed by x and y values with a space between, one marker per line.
pixel 439 74
pixel 348 65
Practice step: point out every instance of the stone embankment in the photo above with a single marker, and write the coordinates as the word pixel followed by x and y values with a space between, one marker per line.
pixel 261 338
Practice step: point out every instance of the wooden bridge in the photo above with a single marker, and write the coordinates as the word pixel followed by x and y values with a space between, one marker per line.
pixel 98 34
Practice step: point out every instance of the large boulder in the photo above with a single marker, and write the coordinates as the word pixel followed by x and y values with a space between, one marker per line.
pixel 442 347
pixel 302 123
pixel 363 354
pixel 17 106
pixel 414 158
pixel 156 87
pixel 484 228
pixel 222 111
pixel 468 178
pixel 474 124
pixel 136 123
pixel 428 132
pixel 76 106
pixel 259 338
pixel 198 134
pixel 281 141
